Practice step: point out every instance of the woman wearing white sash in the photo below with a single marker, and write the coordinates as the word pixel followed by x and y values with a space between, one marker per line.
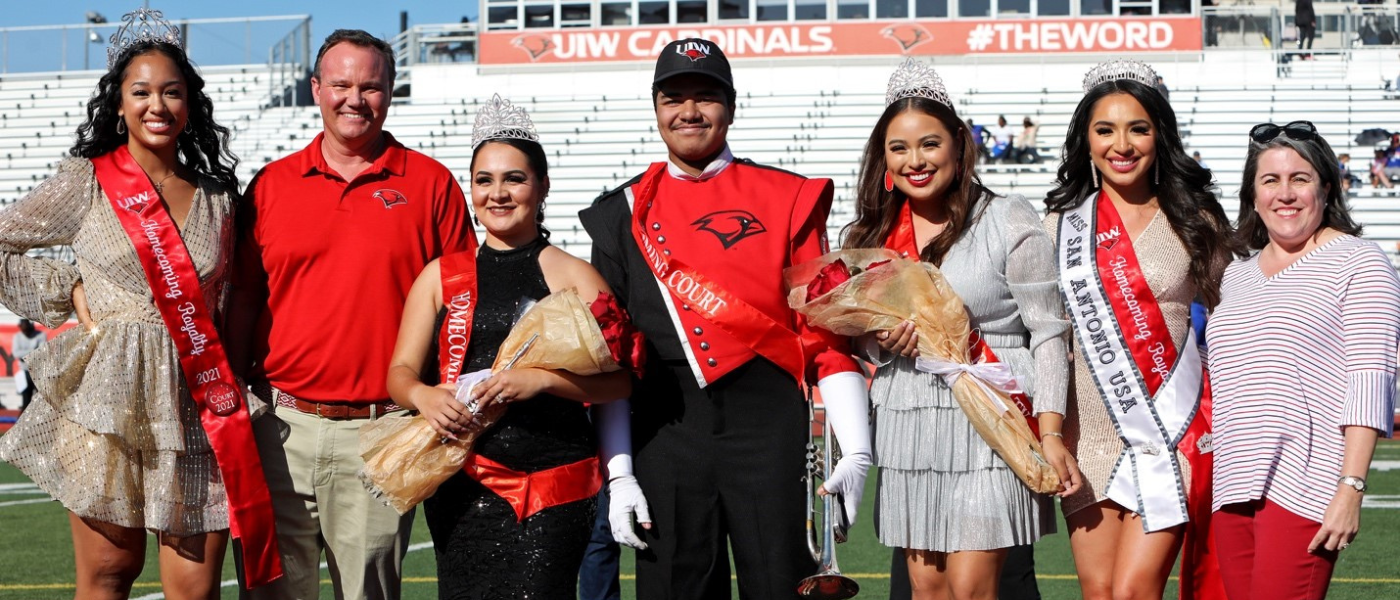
pixel 1302 359
pixel 944 495
pixel 1124 162
pixel 113 433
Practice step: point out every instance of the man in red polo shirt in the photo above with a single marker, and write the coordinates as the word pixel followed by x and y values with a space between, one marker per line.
pixel 334 237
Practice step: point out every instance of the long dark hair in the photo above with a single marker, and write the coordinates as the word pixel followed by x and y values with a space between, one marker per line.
pixel 877 210
pixel 1318 153
pixel 203 146
pixel 539 163
pixel 1185 189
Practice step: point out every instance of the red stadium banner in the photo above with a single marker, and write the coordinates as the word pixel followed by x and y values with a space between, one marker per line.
pixel 864 38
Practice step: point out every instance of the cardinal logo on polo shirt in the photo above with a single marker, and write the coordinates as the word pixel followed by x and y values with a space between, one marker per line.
pixel 693 50
pixel 730 226
pixel 391 198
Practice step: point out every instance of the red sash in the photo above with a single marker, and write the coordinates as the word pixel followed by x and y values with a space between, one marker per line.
pixel 175 290
pixel 458 274
pixel 529 493
pixel 903 241
pixel 1149 341
pixel 750 326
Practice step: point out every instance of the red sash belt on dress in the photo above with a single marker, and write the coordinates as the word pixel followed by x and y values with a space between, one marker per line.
pixel 529 493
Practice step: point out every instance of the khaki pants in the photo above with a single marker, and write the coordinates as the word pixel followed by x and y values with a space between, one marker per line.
pixel 320 504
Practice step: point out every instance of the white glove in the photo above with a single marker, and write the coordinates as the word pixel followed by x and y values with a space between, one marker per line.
pixel 624 500
pixel 625 497
pixel 847 402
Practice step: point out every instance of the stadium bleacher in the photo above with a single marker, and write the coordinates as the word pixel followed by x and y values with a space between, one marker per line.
pixel 596 141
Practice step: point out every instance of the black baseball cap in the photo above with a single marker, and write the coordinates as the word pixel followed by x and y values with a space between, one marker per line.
pixel 693 55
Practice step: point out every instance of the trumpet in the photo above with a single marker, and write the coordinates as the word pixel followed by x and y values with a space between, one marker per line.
pixel 828 583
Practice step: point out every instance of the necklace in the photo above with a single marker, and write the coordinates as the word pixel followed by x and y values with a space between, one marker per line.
pixel 160 185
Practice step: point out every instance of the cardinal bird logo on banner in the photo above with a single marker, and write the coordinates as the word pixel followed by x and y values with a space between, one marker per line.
pixel 907 35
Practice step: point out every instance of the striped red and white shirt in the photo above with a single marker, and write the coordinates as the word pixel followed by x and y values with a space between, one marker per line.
pixel 1293 359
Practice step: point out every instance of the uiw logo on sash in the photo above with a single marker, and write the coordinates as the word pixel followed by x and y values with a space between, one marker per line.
pixel 136 203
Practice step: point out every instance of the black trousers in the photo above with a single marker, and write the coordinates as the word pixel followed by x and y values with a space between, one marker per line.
pixel 1306 33
pixel 1017 576
pixel 721 467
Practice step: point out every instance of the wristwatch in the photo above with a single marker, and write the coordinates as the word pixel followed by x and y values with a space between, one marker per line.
pixel 1354 482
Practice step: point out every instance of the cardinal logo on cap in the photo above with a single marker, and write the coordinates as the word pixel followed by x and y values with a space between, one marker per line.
pixel 693 50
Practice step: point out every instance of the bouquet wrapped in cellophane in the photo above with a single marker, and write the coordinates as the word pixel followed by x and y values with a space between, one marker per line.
pixel 852 292
pixel 406 461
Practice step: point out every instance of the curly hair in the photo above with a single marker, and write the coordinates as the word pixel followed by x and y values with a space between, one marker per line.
pixel 202 146
pixel 1185 193
pixel 877 210
pixel 539 163
pixel 1252 232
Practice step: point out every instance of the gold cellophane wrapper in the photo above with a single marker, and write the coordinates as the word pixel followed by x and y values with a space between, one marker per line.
pixel 879 299
pixel 404 460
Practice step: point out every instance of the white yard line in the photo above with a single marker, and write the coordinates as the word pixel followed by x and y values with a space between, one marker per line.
pixel 1385 465
pixel 30 501
pixel 234 582
pixel 1370 501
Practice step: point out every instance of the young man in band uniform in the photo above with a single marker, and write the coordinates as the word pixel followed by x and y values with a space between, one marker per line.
pixel 695 248
pixel 336 234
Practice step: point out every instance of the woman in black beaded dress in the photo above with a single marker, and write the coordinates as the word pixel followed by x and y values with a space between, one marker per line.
pixel 544 446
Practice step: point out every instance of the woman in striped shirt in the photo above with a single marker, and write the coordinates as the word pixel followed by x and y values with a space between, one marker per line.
pixel 1302 365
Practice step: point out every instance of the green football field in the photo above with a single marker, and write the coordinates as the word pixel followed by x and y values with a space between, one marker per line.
pixel 36 559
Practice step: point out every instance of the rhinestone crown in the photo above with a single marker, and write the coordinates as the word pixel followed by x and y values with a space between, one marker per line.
pixel 1114 70
pixel 914 79
pixel 500 120
pixel 139 26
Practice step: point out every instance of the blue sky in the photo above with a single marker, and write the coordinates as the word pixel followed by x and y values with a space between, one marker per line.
pixel 26 52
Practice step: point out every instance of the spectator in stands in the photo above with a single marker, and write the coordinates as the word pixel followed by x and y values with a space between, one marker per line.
pixel 1306 19
pixel 1162 88
pixel 1294 438
pixel 26 340
pixel 1349 179
pixel 1130 200
pixel 1196 156
pixel 981 137
pixel 1026 152
pixel 1379 177
pixel 335 235
pixel 719 420
pixel 514 522
pixel 954 506
pixel 1392 160
pixel 114 432
pixel 1000 148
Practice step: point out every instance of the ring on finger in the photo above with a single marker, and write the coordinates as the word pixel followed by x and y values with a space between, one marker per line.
pixel 1343 546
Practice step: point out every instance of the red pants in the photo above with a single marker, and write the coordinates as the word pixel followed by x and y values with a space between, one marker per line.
pixel 1263 552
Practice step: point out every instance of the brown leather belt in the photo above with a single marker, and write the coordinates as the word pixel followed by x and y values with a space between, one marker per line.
pixel 328 410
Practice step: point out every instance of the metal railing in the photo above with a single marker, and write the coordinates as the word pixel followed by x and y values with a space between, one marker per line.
pixel 446 43
pixel 209 42
pixel 1340 26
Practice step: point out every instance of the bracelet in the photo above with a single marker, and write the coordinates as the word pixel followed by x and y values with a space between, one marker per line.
pixel 1052 434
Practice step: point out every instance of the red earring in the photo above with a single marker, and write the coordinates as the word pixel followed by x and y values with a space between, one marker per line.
pixel 889 182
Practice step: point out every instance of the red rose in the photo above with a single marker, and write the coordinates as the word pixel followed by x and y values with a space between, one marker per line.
pixel 828 279
pixel 624 341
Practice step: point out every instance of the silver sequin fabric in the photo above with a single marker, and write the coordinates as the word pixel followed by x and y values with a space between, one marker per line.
pixel 112 432
pixel 941 487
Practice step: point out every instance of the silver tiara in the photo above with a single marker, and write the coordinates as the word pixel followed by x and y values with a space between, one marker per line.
pixel 500 120
pixel 1116 69
pixel 914 79
pixel 139 26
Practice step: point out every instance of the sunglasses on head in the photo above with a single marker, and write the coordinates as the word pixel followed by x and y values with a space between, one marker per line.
pixel 1300 131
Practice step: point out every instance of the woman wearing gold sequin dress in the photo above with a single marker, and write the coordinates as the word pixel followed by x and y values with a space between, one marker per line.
pixel 1139 234
pixel 113 433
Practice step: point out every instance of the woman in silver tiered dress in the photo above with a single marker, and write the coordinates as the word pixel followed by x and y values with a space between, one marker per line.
pixel 112 433
pixel 944 496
